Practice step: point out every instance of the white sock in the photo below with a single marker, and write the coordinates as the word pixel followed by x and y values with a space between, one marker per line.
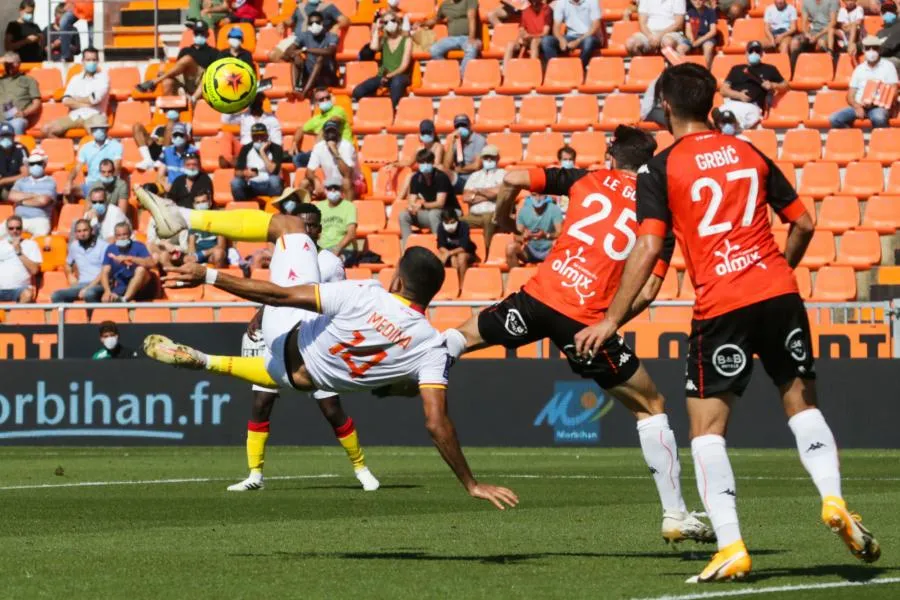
pixel 818 451
pixel 456 342
pixel 715 482
pixel 145 153
pixel 661 454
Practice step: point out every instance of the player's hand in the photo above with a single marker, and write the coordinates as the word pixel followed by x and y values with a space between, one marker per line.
pixel 496 495
pixel 589 340
pixel 188 275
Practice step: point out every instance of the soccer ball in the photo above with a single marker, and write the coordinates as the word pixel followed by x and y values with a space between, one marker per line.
pixel 229 85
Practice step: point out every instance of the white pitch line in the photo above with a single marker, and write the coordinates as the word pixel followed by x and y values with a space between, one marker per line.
pixel 775 590
pixel 77 484
pixel 746 478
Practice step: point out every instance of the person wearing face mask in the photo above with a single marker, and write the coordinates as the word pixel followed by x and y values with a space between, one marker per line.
pixel 326 110
pixel 115 187
pixel 112 349
pixel 171 161
pixel 314 65
pixel 464 32
pixel 455 246
pixel 13 160
pixel 890 33
pixel 430 191
pixel 191 183
pixel 396 59
pixel 874 68
pixel 462 151
pixel 256 113
pixel 257 169
pixel 339 222
pixel 428 140
pixel 102 215
pixel 20 98
pixel 537 225
pixel 236 49
pixel 24 36
pixel 35 196
pixel 566 157
pixel 338 159
pixel 91 154
pixel 780 20
pixel 480 193
pixel 20 262
pixel 726 122
pixel 83 265
pixel 204 247
pixel 332 20
pixel 187 72
pixel 749 89
pixel 86 95
pixel 125 275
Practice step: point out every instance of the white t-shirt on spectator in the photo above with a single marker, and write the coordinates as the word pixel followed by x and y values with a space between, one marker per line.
pixel 661 13
pixel 107 228
pixel 780 20
pixel 272 125
pixel 882 71
pixel 480 180
pixel 13 273
pixel 255 161
pixel 576 17
pixel 320 157
pixel 95 87
pixel 854 16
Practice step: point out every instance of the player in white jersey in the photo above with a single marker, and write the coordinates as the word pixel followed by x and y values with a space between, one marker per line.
pixel 344 336
pixel 331 268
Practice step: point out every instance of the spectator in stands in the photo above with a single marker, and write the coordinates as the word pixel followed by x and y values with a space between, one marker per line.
pixel 112 349
pixel 83 265
pixel 566 157
pixel 725 122
pixel 455 246
pixel 538 224
pixel 258 167
pixel 396 59
pixel 651 105
pixel 327 110
pixel 20 97
pixel 820 17
pixel 339 221
pixel 103 216
pixel 314 66
pixel 507 10
pixel 35 196
pixel 65 42
pixel 87 95
pixel 92 154
pixel 337 158
pixel 429 193
pixel 733 9
pixel 208 11
pixel 581 19
pixel 890 33
pixel 393 8
pixel 236 48
pixel 187 72
pixel 256 113
pixel 849 27
pixel 191 183
pixel 115 187
pixel 700 31
pixel 751 88
pixel 126 269
pixel 463 34
pixel 20 262
pixel 171 161
pixel 333 20
pixel 780 21
pixel 24 36
pixel 661 23
pixel 204 247
pixel 168 252
pixel 150 144
pixel 429 141
pixel 13 158
pixel 874 68
pixel 462 152
pixel 480 193
pixel 536 23
pixel 245 11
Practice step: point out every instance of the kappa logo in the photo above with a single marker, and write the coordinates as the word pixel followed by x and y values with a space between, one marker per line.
pixel 815 446
pixel 729 492
pixel 734 259
pixel 577 277
pixel 291 275
pixel 690 386
pixel 729 360
pixel 515 324
pixel 624 358
pixel 795 345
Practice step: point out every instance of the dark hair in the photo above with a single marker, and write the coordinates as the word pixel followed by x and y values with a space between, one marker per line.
pixel 26 4
pixel 79 221
pixel 105 161
pixel 568 150
pixel 16 218
pixel 424 156
pixel 108 327
pixel 422 274
pixel 449 213
pixel 151 187
pixel 321 88
pixel 689 90
pixel 631 147
pixel 314 13
pixel 90 49
pixel 308 208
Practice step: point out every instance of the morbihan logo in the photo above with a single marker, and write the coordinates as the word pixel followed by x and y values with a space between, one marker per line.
pixel 574 412
pixel 82 410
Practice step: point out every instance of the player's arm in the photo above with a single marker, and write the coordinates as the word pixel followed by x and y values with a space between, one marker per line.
pixel 555 182
pixel 654 283
pixel 781 195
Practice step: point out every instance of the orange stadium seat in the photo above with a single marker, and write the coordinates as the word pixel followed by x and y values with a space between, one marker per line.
pixel 385 276
pixel 486 7
pixel 518 277
pixel 677 261
pixel 449 107
pixel 27 316
pixel 604 74
pixel 386 245
pixel 892 186
pixel 212 147
pixel 884 145
pixel 820 251
pixel 266 40
pixel 536 113
pixel 355 73
pixel 789 172
pixel 280 73
pixel 820 179
pixel 859 249
pixel 358 273
pixel 482 283
pixel 590 147
pixel 838 213
pixel 882 213
pixel 743 32
pixel 151 72
pixel 423 240
pixel 620 109
pixel 378 149
pixel 812 72
pixel 621 31
pixel 373 115
pixel 441 77
pixel 49 112
pixel 445 317
pixel 117 315
pixel 152 315
pixel 52 281
pixel 723 63
pixel 210 294
pixel 206 121
pixel 642 72
pixel 520 76
pixel 73 316
pixel 834 284
pixel 292 115
pixel 810 206
pixel 614 10
pixel 131 156
pixel 60 153
pixel 49 81
pixel 842 73
pixel 824 105
pixel 789 111
pixel 764 140
pixel 509 145
pixel 495 113
pixel 54 249
pixel 863 179
pixel 502 36
pixel 482 75
pixel 410 113
pixel 6 211
pixel 369 217
pixel 127 114
pixel 687 288
pixel 801 146
pixel 355 37
pixel 496 256
pixel 542 148
pixel 804 282
pixel 221 179
pixel 122 81
pixel 563 75
pixel 844 146
pixel 578 113
pixel 669 288
pixel 450 289
pixel 193 314
pixel 68 214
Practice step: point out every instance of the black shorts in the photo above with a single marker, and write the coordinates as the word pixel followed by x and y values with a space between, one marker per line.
pixel 721 349
pixel 521 319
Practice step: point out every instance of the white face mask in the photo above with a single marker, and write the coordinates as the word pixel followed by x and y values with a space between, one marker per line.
pixel 390 27
pixel 234 43
pixel 315 28
pixel 450 227
pixel 872 56
pixel 201 206
pixel 110 341
pixel 393 3
pixel 489 165
pixel 334 195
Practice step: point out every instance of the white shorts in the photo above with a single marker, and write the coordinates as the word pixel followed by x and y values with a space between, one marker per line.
pixel 748 115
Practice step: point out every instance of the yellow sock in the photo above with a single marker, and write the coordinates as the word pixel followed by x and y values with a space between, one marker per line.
pixel 346 435
pixel 237 225
pixel 248 368
pixel 257 436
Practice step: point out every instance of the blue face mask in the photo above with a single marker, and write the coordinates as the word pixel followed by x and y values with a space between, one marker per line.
pixel 326 106
pixel 426 168
pixel 90 66
pixel 36 171
pixel 464 132
pixel 191 172
pixel 123 243
pixel 889 18
pixel 729 129
pixel 178 141
pixel 754 59
pixel 289 206
pixel 427 138
pixel 567 163
pixel 199 40
pixel 6 142
pixel 28 17
pixel 100 208
pixel 172 115
pixel 107 179
pixel 99 135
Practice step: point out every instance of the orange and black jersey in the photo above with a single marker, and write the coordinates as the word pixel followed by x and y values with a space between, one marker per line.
pixel 714 191
pixel 581 274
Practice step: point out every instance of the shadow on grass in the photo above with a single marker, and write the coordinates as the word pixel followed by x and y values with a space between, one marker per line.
pixel 846 572
pixel 396 486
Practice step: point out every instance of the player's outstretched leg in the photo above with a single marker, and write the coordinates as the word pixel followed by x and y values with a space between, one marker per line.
pixel 248 368
pixel 345 432
pixel 818 453
pixel 257 438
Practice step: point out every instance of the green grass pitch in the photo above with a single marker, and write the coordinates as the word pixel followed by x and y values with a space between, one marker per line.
pixel 587 526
